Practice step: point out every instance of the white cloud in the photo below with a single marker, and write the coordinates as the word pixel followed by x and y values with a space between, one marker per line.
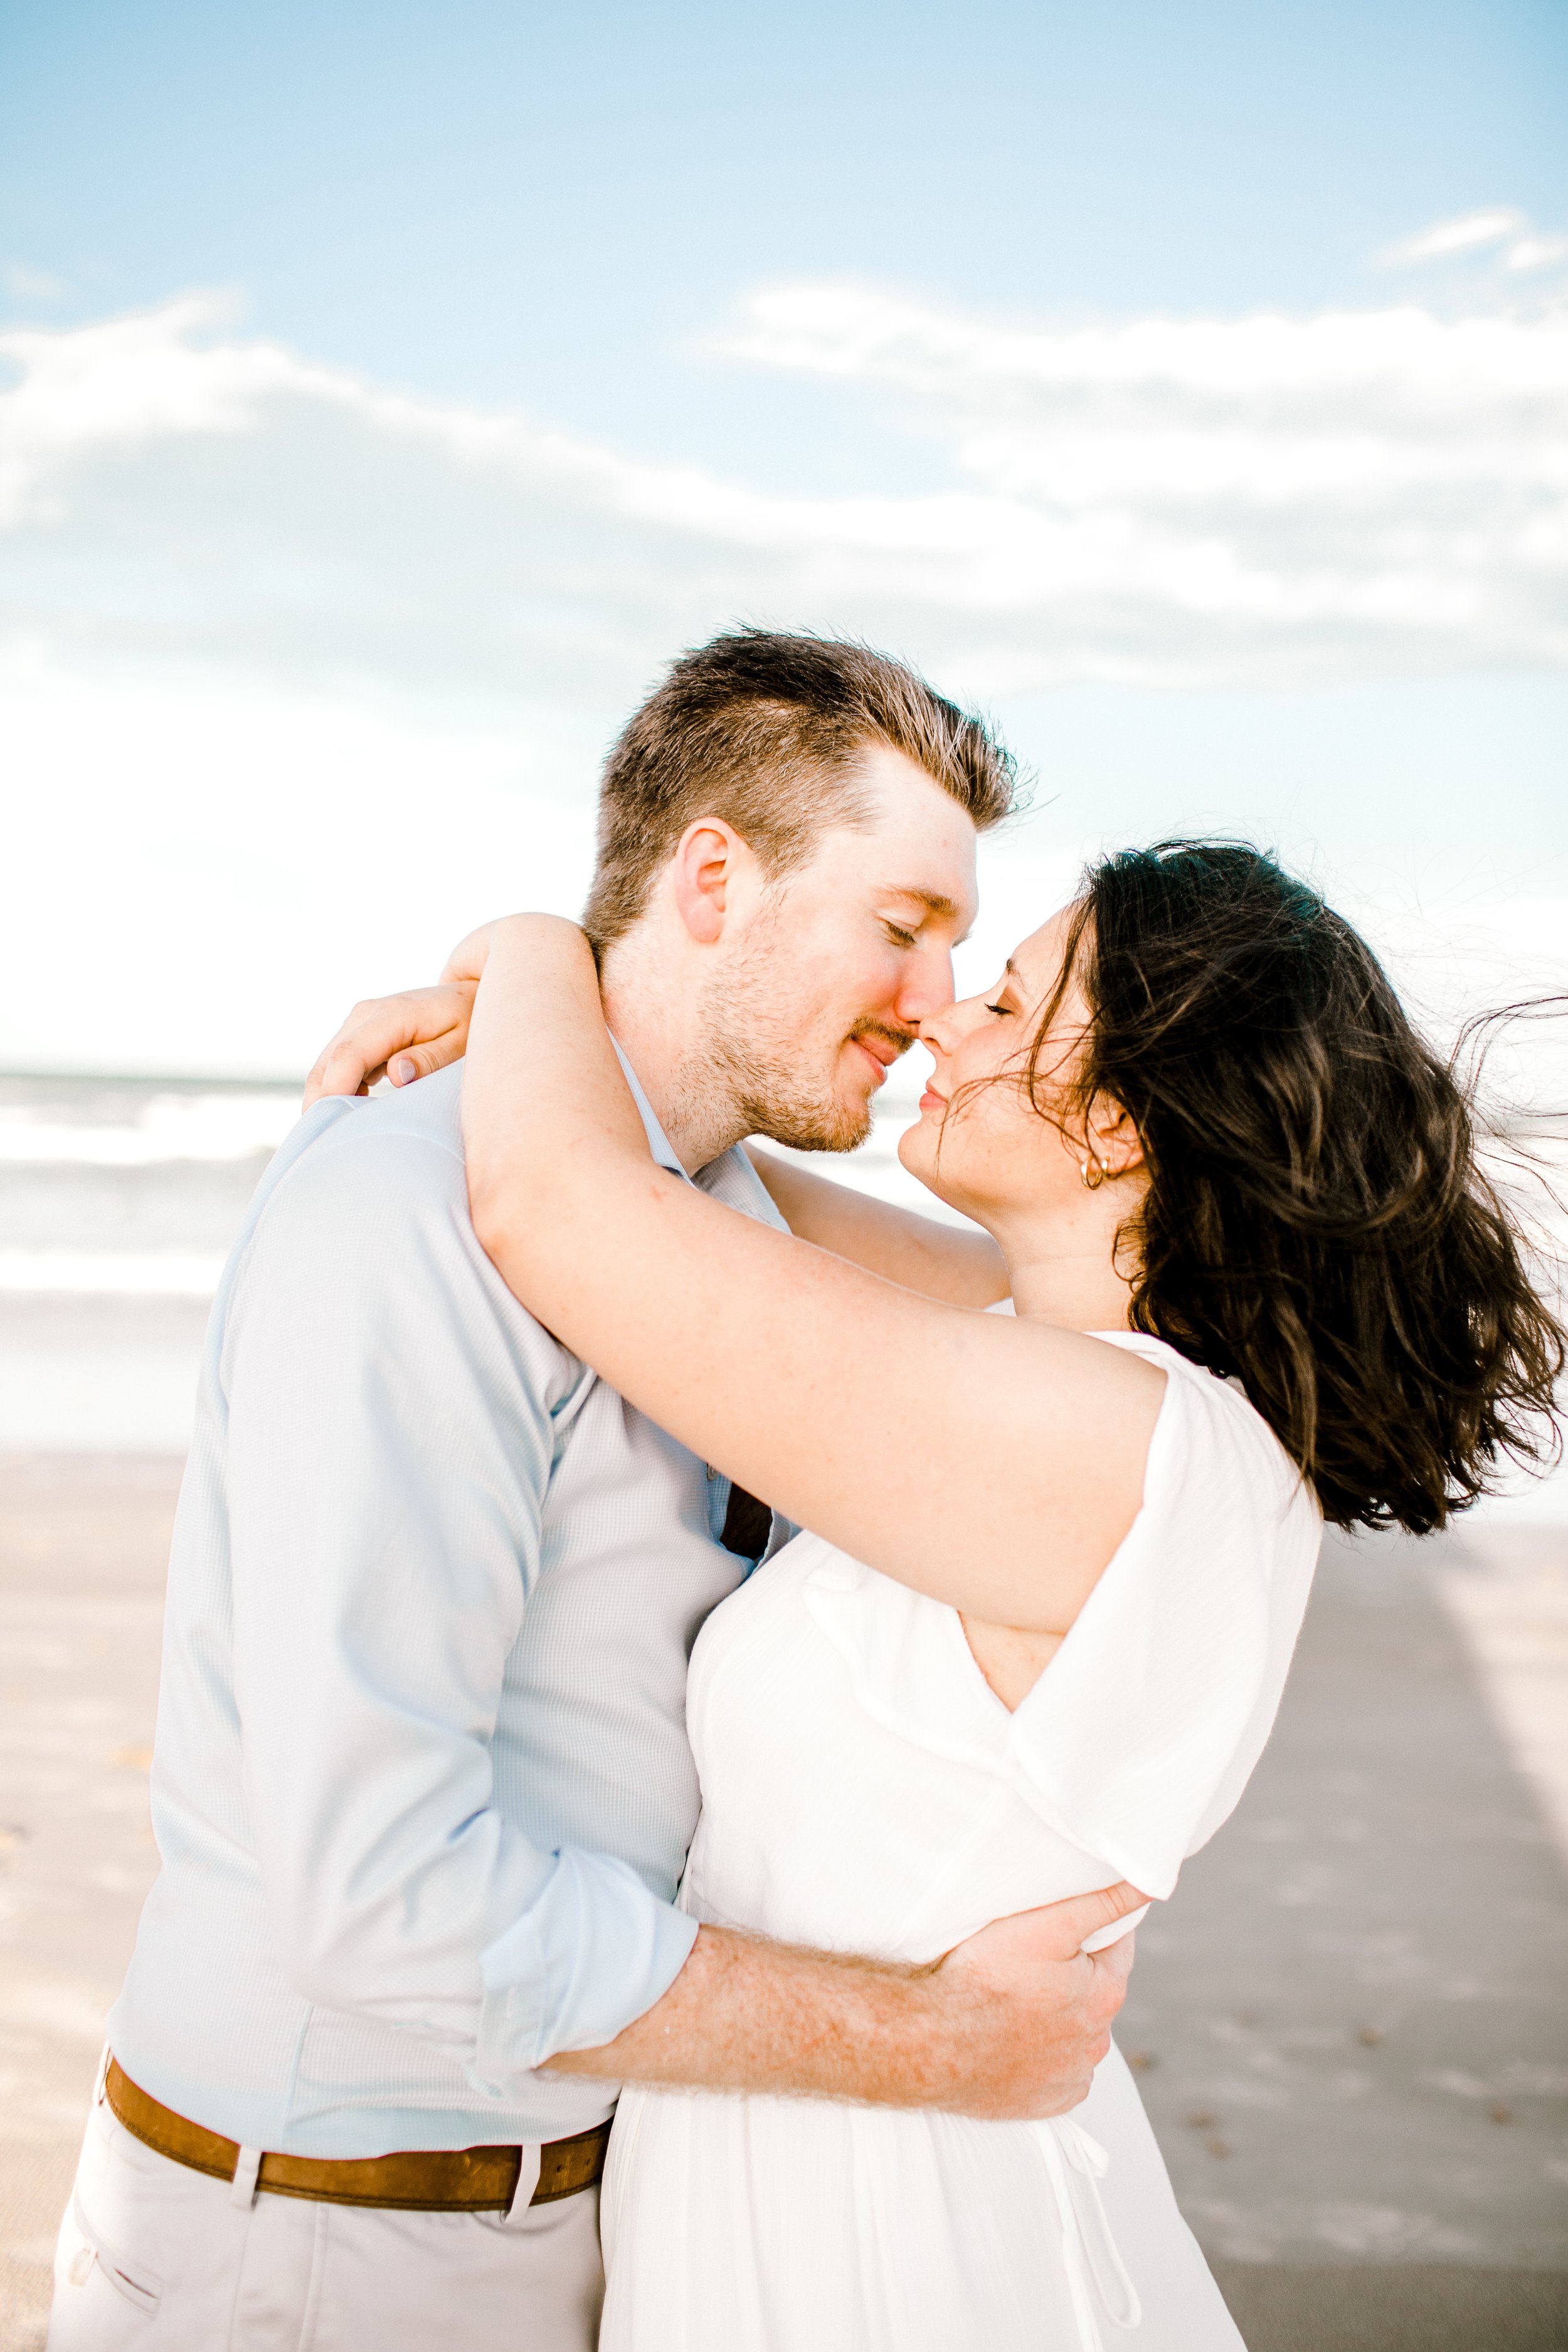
pixel 1535 252
pixel 1265 498
pixel 1260 495
pixel 25 285
pixel 1525 249
pixel 1466 233
pixel 301 675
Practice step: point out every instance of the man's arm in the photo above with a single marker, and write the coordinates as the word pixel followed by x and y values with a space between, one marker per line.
pixel 389 1443
pixel 940 1261
pixel 1010 2025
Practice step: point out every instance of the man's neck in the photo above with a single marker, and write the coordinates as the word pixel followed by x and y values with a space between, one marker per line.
pixel 656 1028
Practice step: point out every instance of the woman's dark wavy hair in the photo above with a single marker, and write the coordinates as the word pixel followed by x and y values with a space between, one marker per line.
pixel 1316 1222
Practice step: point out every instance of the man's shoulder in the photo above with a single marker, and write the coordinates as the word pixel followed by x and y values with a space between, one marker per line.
pixel 370 1188
pixel 406 1145
pixel 427 1113
pixel 362 1219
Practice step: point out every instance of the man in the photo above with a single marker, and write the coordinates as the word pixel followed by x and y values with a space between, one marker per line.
pixel 421 1786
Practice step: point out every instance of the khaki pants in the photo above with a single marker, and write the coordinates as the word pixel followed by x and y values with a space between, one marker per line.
pixel 155 2258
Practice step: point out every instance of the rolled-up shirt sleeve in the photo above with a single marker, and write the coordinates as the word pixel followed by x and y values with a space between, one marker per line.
pixel 392 1420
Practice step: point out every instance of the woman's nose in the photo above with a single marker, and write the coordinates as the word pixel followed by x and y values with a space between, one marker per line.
pixel 936 1029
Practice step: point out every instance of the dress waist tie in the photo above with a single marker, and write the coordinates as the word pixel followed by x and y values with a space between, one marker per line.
pixel 1076 2165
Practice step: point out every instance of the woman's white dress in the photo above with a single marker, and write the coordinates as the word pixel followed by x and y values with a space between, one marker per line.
pixel 865 1791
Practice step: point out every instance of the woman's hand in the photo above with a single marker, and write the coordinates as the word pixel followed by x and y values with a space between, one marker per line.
pixel 406 1036
pixel 400 1037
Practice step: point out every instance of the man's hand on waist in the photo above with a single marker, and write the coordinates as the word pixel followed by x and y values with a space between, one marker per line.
pixel 1009 2025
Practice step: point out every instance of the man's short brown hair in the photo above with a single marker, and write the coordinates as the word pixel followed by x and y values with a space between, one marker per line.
pixel 762 729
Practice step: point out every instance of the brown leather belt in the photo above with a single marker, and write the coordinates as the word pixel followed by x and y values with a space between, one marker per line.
pixel 422 2180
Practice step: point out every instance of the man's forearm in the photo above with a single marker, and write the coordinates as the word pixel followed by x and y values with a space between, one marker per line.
pixel 747 2015
pixel 1002 2027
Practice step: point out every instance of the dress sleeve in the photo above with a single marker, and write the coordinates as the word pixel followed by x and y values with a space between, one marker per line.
pixel 1139 1738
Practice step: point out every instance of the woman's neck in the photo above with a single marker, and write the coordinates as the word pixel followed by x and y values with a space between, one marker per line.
pixel 1064 1270
pixel 1081 1294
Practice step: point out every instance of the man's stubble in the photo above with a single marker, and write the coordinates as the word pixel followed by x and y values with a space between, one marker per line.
pixel 775 1056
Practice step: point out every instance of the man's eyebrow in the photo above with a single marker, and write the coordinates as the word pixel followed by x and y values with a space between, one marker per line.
pixel 932 900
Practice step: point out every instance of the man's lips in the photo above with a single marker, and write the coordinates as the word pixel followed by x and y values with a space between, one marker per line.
pixel 880 1052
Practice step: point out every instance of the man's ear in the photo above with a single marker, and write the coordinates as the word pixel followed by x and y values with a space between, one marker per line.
pixel 703 873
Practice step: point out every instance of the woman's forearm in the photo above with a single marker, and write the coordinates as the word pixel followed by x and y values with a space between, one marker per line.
pixel 940 1261
pixel 547 1113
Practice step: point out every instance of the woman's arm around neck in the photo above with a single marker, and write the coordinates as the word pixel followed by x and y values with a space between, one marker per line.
pixel 995 1464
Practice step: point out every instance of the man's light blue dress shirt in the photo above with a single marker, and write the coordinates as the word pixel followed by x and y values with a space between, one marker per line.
pixel 421 1786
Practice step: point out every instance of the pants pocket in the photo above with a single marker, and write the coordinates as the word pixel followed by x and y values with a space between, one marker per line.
pixel 141 2287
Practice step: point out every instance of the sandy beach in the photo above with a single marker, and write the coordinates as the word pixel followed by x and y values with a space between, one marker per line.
pixel 84 1545
pixel 1349 2025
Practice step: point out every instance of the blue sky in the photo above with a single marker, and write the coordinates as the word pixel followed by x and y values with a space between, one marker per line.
pixel 547 338
pixel 557 207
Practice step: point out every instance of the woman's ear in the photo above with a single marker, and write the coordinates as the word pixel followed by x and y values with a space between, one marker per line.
pixel 1112 1137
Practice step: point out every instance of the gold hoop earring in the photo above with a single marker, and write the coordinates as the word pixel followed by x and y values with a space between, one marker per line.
pixel 1102 1171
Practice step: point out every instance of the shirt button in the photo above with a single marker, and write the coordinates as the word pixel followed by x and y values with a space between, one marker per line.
pixel 712 1474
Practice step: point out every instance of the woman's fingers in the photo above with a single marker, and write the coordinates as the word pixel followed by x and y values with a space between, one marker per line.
pixel 468 957
pixel 405 1037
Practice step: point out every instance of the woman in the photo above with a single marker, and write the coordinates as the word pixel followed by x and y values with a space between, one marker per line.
pixel 1037 1637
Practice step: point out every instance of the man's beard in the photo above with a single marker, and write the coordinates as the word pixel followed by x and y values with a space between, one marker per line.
pixel 768 1077
pixel 777 1098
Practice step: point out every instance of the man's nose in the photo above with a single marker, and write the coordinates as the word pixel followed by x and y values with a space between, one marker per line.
pixel 926 986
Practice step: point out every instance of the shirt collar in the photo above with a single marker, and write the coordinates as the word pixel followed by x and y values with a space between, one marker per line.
pixel 658 1143
pixel 730 1178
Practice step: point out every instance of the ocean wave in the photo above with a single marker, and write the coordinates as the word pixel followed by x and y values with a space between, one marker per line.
pixel 109 1274
pixel 211 1127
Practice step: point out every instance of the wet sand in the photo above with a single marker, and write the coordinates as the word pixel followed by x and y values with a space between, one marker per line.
pixel 1349 2025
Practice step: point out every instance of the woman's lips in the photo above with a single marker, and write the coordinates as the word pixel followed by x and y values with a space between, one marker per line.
pixel 931 1100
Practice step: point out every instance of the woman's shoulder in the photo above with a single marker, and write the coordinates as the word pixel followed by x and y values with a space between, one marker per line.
pixel 1210 1440
pixel 1169 1358
pixel 1210 1426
